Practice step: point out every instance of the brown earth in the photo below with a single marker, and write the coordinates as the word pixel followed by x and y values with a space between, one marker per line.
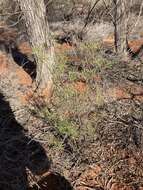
pixel 114 159
pixel 135 45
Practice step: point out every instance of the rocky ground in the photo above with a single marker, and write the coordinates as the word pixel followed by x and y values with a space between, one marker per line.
pixel 91 132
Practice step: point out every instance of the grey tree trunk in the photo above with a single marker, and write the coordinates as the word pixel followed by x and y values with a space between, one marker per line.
pixel 38 30
pixel 120 24
pixel 15 84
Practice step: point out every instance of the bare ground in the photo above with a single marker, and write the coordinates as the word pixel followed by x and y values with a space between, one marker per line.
pixel 106 153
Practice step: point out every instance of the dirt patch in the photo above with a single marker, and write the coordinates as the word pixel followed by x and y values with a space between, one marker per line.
pixel 96 134
pixel 91 129
pixel 80 86
pixel 136 45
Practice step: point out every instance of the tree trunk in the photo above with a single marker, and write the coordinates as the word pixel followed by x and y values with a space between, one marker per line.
pixel 120 24
pixel 38 30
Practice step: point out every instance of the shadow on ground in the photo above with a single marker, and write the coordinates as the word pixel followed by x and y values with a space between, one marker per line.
pixel 22 60
pixel 18 152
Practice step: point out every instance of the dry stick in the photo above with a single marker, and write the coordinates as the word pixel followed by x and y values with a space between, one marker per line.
pixel 115 19
pixel 140 12
pixel 88 16
pixel 18 21
pixel 106 7
pixel 106 10
pixel 48 3
pixel 112 17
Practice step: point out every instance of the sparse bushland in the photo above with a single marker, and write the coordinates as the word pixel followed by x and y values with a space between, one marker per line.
pixel 88 120
pixel 85 130
pixel 94 117
pixel 76 93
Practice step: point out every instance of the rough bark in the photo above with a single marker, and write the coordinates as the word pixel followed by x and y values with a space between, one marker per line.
pixel 120 24
pixel 38 30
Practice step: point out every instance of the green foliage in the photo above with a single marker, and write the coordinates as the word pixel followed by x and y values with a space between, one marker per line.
pixel 61 60
pixel 88 59
pixel 70 110
pixel 89 47
pixel 91 58
pixel 67 128
pixel 64 126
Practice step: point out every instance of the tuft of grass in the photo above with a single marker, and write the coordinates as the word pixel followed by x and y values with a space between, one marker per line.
pixel 89 47
pixel 87 64
pixel 67 128
pixel 63 125
pixel 73 76
pixel 69 111
pixel 60 67
pixel 91 59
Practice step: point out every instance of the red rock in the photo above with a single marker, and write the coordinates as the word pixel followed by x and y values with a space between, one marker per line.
pixel 133 44
pixel 16 76
pixel 23 77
